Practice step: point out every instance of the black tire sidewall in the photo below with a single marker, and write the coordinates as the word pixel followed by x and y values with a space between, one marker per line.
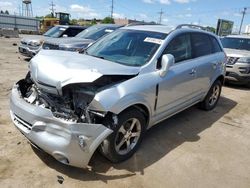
pixel 108 145
pixel 205 103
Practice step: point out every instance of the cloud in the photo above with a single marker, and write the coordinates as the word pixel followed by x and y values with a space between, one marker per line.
pixel 148 1
pixel 84 11
pixel 188 15
pixel 117 15
pixel 165 20
pixel 237 14
pixel 182 1
pixel 167 2
pixel 8 5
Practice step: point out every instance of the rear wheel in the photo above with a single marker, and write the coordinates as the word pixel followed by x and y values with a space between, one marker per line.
pixel 212 97
pixel 248 84
pixel 126 138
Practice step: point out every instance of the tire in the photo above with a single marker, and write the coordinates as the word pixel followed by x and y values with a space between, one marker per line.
pixel 115 147
pixel 212 96
pixel 248 85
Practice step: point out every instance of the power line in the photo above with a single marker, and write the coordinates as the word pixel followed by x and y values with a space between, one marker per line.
pixel 112 9
pixel 160 18
pixel 52 8
pixel 242 19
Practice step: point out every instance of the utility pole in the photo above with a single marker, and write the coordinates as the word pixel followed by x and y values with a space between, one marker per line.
pixel 52 8
pixel 242 19
pixel 161 13
pixel 112 9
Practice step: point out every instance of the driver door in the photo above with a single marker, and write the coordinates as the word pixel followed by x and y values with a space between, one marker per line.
pixel 177 86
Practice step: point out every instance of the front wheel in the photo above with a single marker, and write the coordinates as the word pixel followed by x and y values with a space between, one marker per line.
pixel 212 97
pixel 126 138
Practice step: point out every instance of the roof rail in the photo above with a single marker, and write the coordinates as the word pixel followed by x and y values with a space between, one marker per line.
pixel 141 23
pixel 191 26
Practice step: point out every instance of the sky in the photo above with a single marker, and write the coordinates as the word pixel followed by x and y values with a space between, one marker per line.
pixel 203 12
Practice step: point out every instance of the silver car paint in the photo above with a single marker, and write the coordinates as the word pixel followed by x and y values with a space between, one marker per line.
pixel 26 49
pixel 58 137
pixel 184 85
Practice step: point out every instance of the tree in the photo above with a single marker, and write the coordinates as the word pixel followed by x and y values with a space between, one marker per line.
pixel 7 12
pixel 93 22
pixel 49 16
pixel 73 22
pixel 211 29
pixel 108 20
pixel 2 12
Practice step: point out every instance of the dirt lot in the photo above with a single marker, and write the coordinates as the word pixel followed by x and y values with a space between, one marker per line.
pixel 192 149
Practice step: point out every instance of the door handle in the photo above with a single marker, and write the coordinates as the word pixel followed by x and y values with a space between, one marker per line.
pixel 193 72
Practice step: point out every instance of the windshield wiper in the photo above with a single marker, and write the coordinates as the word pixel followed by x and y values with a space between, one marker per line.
pixel 100 57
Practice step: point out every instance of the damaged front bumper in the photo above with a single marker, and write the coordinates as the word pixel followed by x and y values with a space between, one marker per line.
pixel 28 51
pixel 69 142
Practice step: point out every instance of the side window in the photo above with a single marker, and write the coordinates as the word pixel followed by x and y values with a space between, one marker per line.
pixel 180 48
pixel 201 45
pixel 216 47
pixel 71 32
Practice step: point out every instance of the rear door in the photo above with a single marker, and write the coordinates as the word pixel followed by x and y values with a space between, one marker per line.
pixel 207 56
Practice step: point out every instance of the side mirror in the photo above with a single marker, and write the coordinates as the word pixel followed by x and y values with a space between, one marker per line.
pixel 65 36
pixel 166 62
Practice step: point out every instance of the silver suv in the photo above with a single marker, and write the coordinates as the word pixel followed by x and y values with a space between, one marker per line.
pixel 237 48
pixel 70 104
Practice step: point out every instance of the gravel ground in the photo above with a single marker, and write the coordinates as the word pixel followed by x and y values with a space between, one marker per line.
pixel 192 149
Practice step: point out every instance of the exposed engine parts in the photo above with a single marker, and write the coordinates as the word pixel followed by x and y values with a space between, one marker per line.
pixel 73 105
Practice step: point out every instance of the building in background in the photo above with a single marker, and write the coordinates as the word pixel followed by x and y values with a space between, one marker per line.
pixel 125 21
pixel 247 31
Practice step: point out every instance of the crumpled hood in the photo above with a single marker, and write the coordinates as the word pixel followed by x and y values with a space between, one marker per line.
pixel 59 68
pixel 237 53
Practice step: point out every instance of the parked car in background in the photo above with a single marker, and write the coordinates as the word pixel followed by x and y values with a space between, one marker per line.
pixel 237 48
pixel 82 40
pixel 70 104
pixel 30 46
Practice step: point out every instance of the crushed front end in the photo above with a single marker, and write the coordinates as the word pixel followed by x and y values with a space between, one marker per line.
pixel 60 124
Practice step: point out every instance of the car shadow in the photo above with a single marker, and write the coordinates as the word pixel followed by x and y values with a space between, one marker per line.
pixel 27 59
pixel 158 142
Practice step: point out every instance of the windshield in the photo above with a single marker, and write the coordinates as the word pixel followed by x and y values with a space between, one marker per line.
pixel 236 43
pixel 95 32
pixel 128 47
pixel 55 32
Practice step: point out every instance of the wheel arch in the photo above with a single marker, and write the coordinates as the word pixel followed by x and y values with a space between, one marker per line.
pixel 142 108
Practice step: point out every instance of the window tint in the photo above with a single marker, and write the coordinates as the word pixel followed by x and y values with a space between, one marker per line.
pixel 71 32
pixel 180 48
pixel 215 44
pixel 201 45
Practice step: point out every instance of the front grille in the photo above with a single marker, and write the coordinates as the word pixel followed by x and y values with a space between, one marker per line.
pixel 232 60
pixel 22 122
pixel 48 46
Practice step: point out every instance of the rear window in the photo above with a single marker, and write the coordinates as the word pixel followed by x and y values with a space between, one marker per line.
pixel 71 32
pixel 216 47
